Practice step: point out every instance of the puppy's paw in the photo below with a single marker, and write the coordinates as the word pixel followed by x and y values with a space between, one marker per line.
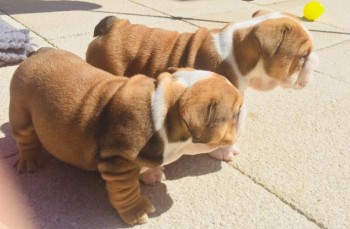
pixel 302 84
pixel 138 214
pixel 225 154
pixel 29 162
pixel 153 175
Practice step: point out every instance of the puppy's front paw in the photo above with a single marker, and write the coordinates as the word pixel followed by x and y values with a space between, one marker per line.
pixel 29 162
pixel 138 214
pixel 225 154
pixel 153 175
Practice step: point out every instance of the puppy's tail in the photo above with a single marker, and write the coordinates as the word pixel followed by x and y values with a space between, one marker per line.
pixel 104 25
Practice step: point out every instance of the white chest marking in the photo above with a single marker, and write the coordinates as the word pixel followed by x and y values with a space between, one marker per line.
pixel 173 151
pixel 158 104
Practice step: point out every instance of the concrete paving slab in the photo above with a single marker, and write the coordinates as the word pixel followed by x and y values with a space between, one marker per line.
pixel 293 171
pixel 297 144
pixel 337 59
pixel 331 28
pixel 219 20
pixel 78 44
pixel 199 193
pixel 36 40
pixel 61 19
pixel 7 144
pixel 267 2
pixel 6 147
pixel 325 35
pixel 193 8
pixel 336 11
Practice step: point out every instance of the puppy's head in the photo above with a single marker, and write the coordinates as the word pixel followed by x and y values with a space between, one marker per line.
pixel 209 107
pixel 278 51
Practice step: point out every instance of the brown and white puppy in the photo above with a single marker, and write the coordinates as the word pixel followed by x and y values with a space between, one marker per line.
pixel 272 49
pixel 117 125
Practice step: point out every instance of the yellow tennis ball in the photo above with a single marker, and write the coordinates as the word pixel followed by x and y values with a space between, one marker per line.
pixel 313 10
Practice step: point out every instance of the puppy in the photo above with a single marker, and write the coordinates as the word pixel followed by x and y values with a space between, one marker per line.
pixel 270 50
pixel 97 121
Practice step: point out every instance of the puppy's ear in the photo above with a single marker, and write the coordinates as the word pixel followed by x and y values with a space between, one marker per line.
pixel 260 13
pixel 197 113
pixel 270 36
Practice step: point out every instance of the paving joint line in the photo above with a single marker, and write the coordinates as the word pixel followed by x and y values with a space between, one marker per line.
pixel 332 45
pixel 73 35
pixel 170 16
pixel 271 4
pixel 292 206
pixel 31 30
pixel 325 74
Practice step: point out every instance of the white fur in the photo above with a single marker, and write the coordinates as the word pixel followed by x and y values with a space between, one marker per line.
pixel 227 153
pixel 257 77
pixel 173 151
pixel 305 75
pixel 158 104
pixel 188 78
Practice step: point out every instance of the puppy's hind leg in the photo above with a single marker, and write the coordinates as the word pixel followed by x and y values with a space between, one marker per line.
pixel 27 140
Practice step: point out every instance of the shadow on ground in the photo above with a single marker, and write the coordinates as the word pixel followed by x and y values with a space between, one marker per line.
pixel 63 196
pixel 67 197
pixel 39 6
pixel 7 144
pixel 192 166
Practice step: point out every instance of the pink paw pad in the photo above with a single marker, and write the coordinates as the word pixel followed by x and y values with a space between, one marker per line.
pixel 153 175
pixel 225 154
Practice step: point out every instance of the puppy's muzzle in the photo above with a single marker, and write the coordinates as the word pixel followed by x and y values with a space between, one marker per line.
pixel 306 73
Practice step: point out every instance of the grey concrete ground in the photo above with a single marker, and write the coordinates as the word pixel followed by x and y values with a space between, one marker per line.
pixel 294 166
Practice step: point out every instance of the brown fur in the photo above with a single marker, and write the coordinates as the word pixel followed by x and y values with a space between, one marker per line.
pixel 283 55
pixel 127 49
pixel 97 121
